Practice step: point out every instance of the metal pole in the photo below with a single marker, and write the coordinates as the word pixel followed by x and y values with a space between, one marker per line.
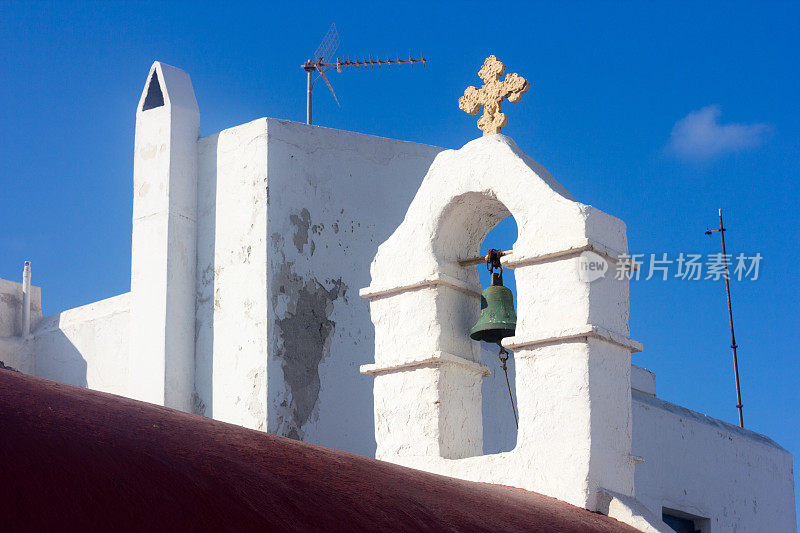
pixel 309 88
pixel 721 231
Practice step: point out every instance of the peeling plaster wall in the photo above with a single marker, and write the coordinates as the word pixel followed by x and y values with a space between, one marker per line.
pixel 303 330
pixel 696 464
pixel 289 219
pixel 334 196
pixel 87 346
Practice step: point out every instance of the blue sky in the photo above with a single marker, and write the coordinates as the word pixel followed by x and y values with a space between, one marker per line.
pixel 657 114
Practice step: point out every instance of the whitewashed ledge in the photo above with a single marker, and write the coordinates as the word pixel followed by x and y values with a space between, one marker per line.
pixel 516 261
pixel 585 331
pixel 437 359
pixel 373 293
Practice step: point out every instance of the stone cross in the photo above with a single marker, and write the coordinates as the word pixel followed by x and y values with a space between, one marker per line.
pixel 491 94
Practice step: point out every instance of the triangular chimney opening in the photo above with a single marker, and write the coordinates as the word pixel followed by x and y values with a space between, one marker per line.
pixel 154 97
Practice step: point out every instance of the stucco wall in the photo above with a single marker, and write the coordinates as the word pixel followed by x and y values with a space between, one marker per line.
pixel 741 480
pixel 87 346
pixel 334 196
pixel 11 308
pixel 15 350
pixel 289 218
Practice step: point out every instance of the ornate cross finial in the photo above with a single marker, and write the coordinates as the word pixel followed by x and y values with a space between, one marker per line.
pixel 491 94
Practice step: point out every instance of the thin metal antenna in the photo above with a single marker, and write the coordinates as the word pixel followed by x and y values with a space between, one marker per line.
pixel 330 43
pixel 325 50
pixel 721 231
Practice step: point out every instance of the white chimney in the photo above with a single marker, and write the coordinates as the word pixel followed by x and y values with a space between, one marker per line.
pixel 26 299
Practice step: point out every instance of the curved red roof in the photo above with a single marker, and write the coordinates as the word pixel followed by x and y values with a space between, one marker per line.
pixel 76 459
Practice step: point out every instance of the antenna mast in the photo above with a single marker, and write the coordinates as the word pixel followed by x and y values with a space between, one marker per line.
pixel 326 49
pixel 721 231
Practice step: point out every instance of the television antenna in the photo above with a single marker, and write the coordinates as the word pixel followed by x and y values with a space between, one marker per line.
pixel 326 49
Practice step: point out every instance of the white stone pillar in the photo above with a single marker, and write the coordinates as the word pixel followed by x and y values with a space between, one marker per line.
pixel 427 374
pixel 163 259
pixel 572 355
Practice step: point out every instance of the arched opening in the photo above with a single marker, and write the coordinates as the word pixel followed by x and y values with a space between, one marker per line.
pixel 463 225
pixel 499 429
pixel 470 225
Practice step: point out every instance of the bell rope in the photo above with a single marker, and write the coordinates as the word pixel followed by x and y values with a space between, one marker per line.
pixel 505 369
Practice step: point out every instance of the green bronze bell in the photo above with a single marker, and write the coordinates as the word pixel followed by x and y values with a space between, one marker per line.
pixel 498 319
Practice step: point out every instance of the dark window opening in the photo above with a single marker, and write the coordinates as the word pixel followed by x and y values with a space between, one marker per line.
pixel 683 522
pixel 154 97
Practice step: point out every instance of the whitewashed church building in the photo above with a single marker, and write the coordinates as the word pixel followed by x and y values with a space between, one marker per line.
pixel 309 282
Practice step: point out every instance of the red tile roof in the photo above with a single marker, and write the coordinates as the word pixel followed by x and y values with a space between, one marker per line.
pixel 72 458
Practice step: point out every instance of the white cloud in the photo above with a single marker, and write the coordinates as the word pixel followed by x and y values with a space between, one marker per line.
pixel 700 136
